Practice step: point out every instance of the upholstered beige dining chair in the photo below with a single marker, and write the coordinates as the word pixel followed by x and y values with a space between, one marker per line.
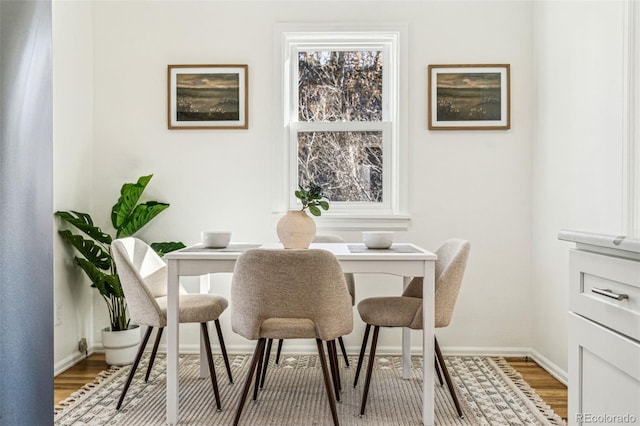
pixel 143 275
pixel 289 294
pixel 406 310
pixel 351 286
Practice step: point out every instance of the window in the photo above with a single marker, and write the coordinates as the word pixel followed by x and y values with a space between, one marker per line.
pixel 341 102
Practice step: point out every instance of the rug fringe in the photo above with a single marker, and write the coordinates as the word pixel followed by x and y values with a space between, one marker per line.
pixel 525 388
pixel 85 389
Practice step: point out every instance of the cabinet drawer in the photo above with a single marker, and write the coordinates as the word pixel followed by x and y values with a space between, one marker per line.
pixel 596 280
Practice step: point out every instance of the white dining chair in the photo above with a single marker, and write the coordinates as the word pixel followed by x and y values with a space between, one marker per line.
pixel 289 294
pixel 143 275
pixel 406 310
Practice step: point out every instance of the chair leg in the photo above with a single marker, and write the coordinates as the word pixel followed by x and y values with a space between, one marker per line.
pixel 334 369
pixel 153 353
pixel 327 384
pixel 438 370
pixel 448 380
pixel 337 364
pixel 267 355
pixel 372 359
pixel 132 372
pixel 247 383
pixel 212 369
pixel 362 349
pixel 279 350
pixel 344 351
pixel 223 348
pixel 258 371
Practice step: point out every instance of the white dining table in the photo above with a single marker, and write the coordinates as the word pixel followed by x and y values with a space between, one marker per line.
pixel 402 259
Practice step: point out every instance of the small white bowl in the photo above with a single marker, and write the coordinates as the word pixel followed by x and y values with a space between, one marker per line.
pixel 215 239
pixel 378 239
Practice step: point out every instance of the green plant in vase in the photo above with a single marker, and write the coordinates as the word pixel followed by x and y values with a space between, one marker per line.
pixel 93 245
pixel 312 198
pixel 296 229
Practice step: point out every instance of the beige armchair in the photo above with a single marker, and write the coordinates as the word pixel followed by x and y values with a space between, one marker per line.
pixel 351 286
pixel 289 294
pixel 406 310
pixel 143 275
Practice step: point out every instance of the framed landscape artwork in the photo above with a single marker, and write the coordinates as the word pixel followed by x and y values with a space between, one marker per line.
pixel 469 97
pixel 208 97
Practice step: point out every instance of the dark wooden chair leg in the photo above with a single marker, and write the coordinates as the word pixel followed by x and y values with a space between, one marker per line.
pixel 372 359
pixel 362 349
pixel 258 371
pixel 247 383
pixel 267 355
pixel 223 348
pixel 337 364
pixel 327 384
pixel 154 352
pixel 344 351
pixel 278 351
pixel 438 370
pixel 447 378
pixel 212 369
pixel 333 368
pixel 134 367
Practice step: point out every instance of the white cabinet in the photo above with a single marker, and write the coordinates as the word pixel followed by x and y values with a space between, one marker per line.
pixel 604 375
pixel 604 329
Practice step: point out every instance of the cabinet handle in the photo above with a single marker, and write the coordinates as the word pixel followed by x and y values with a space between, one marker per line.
pixel 608 293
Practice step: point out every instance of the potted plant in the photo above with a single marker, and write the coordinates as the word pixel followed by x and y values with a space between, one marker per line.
pixel 312 198
pixel 128 216
pixel 296 229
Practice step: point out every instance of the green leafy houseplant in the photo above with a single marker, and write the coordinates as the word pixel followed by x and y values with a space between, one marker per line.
pixel 312 198
pixel 128 216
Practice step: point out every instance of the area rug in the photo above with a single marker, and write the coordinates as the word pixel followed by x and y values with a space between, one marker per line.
pixel 489 390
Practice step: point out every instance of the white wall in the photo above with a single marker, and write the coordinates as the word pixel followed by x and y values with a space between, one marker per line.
pixel 577 149
pixel 471 184
pixel 73 168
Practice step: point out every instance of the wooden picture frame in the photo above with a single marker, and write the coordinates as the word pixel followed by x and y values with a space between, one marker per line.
pixel 208 97
pixel 469 97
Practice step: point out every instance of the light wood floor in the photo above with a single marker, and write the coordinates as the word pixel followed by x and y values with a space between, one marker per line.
pixel 551 390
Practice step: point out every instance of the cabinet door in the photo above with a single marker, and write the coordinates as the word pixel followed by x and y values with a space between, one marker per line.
pixel 604 375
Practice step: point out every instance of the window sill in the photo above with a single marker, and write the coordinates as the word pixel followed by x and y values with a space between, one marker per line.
pixel 354 222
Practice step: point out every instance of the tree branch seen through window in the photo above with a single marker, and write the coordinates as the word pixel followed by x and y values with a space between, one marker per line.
pixel 341 86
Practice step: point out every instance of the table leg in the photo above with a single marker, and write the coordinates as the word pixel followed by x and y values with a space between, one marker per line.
pixel 204 363
pixel 428 346
pixel 406 341
pixel 172 342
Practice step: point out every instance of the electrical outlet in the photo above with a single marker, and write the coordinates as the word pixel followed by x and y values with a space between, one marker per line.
pixel 58 319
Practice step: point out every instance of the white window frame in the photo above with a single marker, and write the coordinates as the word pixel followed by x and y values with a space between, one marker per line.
pixel 290 39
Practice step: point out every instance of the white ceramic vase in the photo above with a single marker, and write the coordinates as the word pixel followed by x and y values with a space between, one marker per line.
pixel 121 346
pixel 296 229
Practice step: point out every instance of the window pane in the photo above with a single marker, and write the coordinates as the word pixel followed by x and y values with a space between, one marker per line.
pixel 340 86
pixel 347 165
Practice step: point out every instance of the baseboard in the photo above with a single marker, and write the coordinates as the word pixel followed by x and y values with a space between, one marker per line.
pixel 289 347
pixel 68 362
pixel 506 351
pixel 550 367
pixel 292 347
